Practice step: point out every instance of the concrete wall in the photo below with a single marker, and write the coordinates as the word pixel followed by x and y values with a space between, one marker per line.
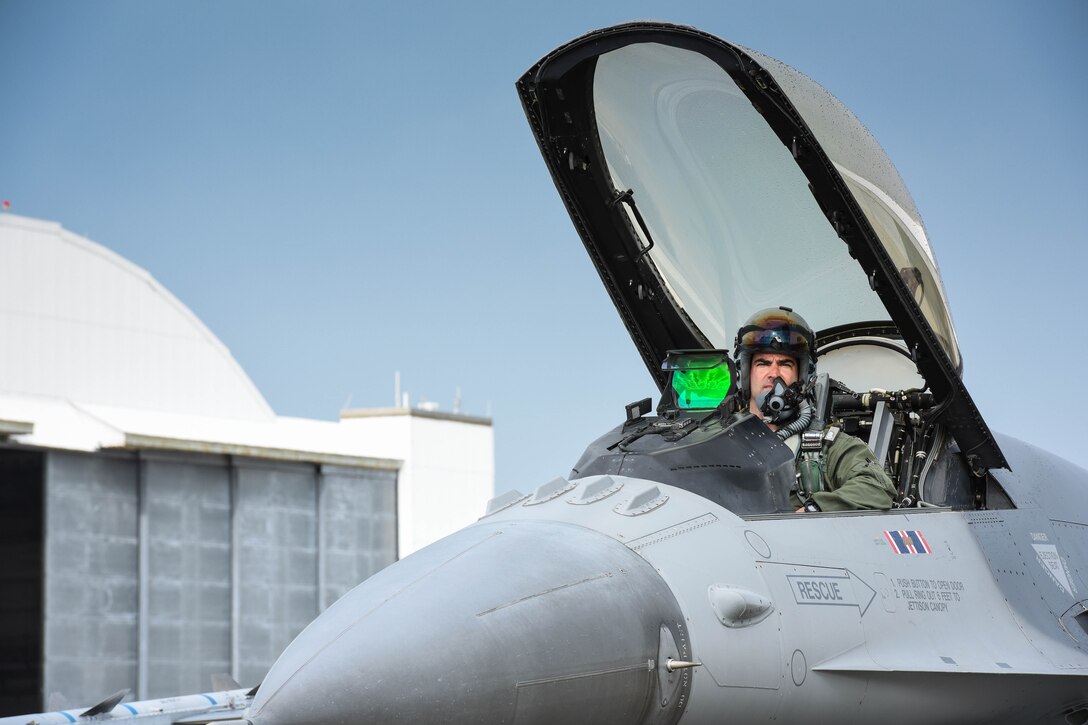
pixel 188 529
pixel 277 550
pixel 448 474
pixel 91 586
pixel 358 527
pixel 163 569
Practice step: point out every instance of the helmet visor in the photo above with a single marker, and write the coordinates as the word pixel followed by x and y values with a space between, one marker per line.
pixel 775 332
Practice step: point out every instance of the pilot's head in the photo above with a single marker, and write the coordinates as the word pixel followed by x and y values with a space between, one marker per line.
pixel 775 343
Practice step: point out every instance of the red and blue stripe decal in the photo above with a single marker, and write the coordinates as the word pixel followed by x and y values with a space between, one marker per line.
pixel 907 542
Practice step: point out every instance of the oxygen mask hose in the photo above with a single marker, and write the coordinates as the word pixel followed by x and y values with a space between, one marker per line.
pixel 804 417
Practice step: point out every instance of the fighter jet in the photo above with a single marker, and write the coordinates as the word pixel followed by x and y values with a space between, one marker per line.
pixel 668 579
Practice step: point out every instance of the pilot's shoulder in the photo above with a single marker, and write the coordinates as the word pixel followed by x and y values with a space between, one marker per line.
pixel 840 445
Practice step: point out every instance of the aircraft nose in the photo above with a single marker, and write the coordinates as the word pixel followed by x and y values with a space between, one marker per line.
pixel 510 622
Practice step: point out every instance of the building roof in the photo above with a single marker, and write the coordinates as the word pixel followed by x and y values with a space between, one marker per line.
pixel 52 423
pixel 97 355
pixel 79 322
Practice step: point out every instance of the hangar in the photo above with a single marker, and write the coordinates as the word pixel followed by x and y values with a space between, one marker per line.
pixel 159 522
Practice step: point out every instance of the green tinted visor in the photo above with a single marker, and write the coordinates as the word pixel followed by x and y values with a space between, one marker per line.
pixel 700 379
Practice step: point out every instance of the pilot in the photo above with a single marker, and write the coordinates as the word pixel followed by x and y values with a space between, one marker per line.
pixel 775 353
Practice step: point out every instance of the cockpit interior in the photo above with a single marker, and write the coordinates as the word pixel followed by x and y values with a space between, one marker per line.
pixel 702 438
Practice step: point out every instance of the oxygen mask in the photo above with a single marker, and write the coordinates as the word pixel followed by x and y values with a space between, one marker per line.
pixel 780 403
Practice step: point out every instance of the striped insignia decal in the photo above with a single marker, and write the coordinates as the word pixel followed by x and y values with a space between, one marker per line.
pixel 907 542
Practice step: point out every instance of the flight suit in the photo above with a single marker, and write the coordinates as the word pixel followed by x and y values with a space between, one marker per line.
pixel 852 478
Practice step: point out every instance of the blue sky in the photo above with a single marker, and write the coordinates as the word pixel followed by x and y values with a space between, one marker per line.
pixel 341 190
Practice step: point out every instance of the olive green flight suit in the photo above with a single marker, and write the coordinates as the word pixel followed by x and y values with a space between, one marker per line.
pixel 852 479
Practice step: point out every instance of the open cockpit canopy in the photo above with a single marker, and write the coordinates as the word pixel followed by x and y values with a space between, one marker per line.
pixel 708 181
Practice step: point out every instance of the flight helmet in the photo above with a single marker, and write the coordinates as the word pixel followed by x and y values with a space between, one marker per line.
pixel 779 330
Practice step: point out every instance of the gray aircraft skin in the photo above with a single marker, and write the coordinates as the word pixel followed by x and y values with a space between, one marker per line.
pixel 668 579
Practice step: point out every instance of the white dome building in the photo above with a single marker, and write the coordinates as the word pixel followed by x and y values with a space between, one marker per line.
pixel 81 323
pixel 161 523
